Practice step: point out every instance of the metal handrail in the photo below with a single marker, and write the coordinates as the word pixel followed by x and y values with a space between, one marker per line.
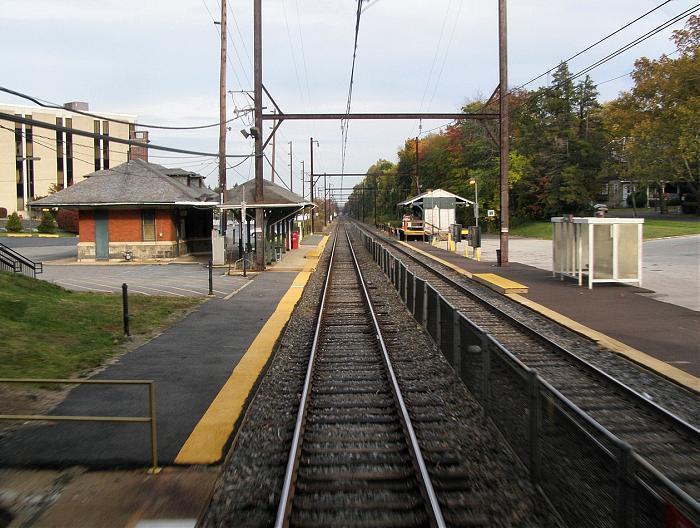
pixel 21 260
pixel 150 419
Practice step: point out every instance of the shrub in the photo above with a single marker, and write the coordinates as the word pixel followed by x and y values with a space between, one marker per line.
pixel 14 224
pixel 47 225
pixel 640 198
pixel 67 220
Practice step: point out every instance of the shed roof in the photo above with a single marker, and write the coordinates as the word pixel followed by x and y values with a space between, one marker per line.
pixel 274 196
pixel 436 193
pixel 135 182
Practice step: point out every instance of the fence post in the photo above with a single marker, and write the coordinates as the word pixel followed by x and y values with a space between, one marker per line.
pixel 485 372
pixel 211 279
pixel 456 344
pixel 125 308
pixel 534 426
pixel 424 308
pixel 624 500
pixel 154 431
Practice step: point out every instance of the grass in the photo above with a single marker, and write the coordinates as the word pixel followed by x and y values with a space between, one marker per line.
pixel 47 331
pixel 653 228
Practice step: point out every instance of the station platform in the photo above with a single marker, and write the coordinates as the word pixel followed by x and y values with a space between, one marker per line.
pixel 204 369
pixel 658 335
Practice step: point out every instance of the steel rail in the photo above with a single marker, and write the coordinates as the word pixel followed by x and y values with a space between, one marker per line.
pixel 287 495
pixel 646 403
pixel 286 498
pixel 405 418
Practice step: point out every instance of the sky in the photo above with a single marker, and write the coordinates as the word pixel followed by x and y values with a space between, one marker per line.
pixel 159 59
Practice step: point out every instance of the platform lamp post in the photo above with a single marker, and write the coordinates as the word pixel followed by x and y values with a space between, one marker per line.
pixel 477 250
pixel 472 181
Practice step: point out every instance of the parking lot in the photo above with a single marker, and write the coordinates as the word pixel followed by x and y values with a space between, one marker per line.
pixel 179 280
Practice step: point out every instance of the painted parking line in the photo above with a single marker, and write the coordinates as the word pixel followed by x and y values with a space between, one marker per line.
pixel 115 289
pixel 234 292
pixel 69 285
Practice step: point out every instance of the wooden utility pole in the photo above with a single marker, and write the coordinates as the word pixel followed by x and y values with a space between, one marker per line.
pixel 274 123
pixel 504 125
pixel 417 169
pixel 291 163
pixel 311 180
pixel 222 117
pixel 259 198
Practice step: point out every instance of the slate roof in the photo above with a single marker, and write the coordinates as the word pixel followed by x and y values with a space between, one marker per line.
pixel 135 182
pixel 273 195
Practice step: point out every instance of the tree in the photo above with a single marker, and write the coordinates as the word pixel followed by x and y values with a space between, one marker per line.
pixel 14 224
pixel 48 224
pixel 659 116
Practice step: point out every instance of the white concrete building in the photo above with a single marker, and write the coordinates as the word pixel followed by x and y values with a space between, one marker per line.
pixel 33 159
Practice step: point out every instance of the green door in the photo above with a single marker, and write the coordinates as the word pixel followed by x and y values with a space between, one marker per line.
pixel 101 234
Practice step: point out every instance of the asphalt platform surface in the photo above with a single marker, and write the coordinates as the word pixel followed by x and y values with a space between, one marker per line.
pixel 629 314
pixel 189 363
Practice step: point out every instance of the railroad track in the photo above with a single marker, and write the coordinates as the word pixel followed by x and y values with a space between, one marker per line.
pixel 669 443
pixel 355 459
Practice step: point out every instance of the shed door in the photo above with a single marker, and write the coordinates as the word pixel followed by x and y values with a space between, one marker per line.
pixel 101 234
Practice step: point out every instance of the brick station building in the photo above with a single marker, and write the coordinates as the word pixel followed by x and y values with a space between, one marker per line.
pixel 139 210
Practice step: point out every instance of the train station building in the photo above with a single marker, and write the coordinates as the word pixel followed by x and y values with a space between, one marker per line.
pixel 139 210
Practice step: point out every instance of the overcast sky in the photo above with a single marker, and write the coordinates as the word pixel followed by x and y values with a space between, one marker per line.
pixel 159 59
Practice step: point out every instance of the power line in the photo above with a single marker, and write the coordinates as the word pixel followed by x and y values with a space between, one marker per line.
pixel 104 118
pixel 594 44
pixel 435 56
pixel 50 126
pixel 605 59
pixel 447 52
pixel 291 51
pixel 303 57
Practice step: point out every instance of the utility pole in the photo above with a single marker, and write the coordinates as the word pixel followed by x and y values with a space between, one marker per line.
pixel 273 148
pixel 259 198
pixel 291 163
pixel 311 179
pixel 504 122
pixel 417 169
pixel 325 200
pixel 222 117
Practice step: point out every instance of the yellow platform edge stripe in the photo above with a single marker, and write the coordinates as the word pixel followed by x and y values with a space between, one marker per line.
pixel 437 259
pixel 662 368
pixel 500 284
pixel 206 442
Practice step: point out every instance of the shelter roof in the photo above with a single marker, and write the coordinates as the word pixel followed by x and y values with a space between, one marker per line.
pixel 274 196
pixel 436 193
pixel 135 182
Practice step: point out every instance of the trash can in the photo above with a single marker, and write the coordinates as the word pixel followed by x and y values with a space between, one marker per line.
pixel 295 240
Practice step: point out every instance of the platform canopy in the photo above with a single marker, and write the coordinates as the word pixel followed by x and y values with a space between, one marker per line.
pixel 278 202
pixel 440 197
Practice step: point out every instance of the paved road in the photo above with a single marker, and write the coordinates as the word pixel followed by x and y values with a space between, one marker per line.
pixel 43 249
pixel 670 266
pixel 179 280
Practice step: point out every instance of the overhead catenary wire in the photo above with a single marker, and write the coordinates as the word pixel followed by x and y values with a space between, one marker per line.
pixel 346 124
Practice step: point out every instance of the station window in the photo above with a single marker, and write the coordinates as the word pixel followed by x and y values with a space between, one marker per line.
pixel 148 223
